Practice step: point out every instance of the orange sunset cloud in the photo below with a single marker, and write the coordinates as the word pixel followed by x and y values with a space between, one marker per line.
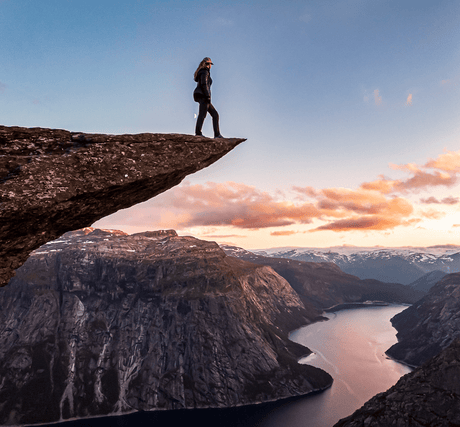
pixel 365 223
pixel 245 207
pixel 382 204
pixel 283 233
pixel 237 205
pixel 446 201
pixel 449 162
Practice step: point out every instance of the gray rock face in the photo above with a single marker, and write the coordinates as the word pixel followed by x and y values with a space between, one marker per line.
pixel 428 396
pixel 103 323
pixel 53 181
pixel 430 325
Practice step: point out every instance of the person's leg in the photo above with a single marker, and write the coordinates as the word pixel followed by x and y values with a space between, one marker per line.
pixel 204 105
pixel 215 120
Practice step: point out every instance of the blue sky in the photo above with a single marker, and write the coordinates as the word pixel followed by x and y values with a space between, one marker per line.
pixel 329 94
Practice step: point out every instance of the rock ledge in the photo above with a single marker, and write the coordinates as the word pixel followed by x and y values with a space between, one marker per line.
pixel 53 181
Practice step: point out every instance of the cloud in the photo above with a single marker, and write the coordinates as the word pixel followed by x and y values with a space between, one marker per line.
pixel 283 233
pixel 382 185
pixel 446 201
pixel 409 99
pixel 433 214
pixel 2 87
pixel 448 162
pixel 379 205
pixel 365 223
pixel 245 207
pixel 421 178
pixel 308 191
pixel 237 205
pixel 377 97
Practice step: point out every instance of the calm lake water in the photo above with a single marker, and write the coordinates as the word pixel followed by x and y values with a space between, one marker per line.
pixel 350 346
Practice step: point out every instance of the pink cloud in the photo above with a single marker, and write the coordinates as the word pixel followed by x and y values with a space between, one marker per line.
pixel 409 99
pixel 376 205
pixel 447 162
pixel 446 201
pixel 283 233
pixel 364 223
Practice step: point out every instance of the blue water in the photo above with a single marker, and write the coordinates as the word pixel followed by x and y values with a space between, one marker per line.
pixel 350 346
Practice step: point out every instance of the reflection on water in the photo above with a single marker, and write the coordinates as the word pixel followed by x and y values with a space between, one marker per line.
pixel 350 346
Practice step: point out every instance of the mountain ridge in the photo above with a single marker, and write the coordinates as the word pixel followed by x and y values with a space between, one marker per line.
pixel 324 285
pixel 401 265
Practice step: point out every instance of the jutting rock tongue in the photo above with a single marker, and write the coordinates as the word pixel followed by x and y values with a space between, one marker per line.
pixel 53 181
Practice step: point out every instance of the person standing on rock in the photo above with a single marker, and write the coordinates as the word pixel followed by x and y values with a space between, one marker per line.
pixel 202 95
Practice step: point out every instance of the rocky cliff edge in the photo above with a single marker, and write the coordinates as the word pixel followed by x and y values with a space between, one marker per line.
pixel 53 181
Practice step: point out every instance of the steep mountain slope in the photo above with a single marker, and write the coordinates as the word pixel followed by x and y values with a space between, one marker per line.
pixel 53 181
pixel 428 396
pixel 323 285
pixel 387 265
pixel 103 323
pixel 430 325
pixel 427 281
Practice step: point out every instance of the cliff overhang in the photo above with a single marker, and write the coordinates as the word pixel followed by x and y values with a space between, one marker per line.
pixel 53 181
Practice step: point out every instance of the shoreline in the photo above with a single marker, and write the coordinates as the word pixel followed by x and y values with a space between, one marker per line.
pixel 248 406
pixel 352 305
pixel 182 411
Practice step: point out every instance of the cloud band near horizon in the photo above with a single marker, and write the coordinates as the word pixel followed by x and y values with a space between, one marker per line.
pixel 381 204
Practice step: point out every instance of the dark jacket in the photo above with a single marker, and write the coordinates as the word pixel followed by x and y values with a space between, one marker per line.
pixel 203 87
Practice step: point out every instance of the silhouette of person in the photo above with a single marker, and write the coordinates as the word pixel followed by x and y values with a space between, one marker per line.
pixel 202 95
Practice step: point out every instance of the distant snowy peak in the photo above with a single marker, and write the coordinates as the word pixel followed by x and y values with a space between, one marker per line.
pixel 401 265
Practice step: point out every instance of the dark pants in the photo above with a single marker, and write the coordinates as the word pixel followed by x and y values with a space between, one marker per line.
pixel 207 107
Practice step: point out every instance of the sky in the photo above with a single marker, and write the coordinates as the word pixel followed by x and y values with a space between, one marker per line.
pixel 350 109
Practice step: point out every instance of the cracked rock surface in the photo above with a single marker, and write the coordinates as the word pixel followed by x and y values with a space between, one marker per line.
pixel 53 181
pixel 100 322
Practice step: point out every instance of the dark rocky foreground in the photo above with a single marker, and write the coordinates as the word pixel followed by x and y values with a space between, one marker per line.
pixel 428 396
pixel 430 325
pixel 53 181
pixel 428 335
pixel 324 285
pixel 104 323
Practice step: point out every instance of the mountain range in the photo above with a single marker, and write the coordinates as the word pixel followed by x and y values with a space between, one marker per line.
pixel 324 285
pixel 393 265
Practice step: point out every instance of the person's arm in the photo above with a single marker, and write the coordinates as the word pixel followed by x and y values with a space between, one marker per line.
pixel 204 83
